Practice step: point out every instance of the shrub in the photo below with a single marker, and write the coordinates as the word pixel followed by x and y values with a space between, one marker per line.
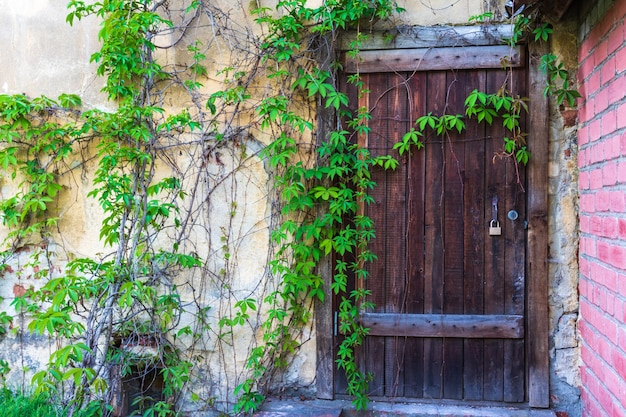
pixel 21 405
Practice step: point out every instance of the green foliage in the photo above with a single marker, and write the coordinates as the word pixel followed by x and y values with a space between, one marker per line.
pixel 503 104
pixel 125 58
pixel 326 197
pixel 559 83
pixel 35 146
pixel 124 295
pixel 341 229
pixel 481 17
pixel 20 405
pixel 543 31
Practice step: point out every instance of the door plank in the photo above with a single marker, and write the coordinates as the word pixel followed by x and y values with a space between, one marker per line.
pixel 377 279
pixel 538 323
pixel 324 310
pixel 474 242
pixel 395 230
pixel 444 325
pixel 433 224
pixel 493 360
pixel 430 37
pixel 414 379
pixel 514 357
pixel 514 384
pixel 495 177
pixel 454 231
pixel 432 59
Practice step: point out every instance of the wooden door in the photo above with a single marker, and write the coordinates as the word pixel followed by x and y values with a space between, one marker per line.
pixel 449 321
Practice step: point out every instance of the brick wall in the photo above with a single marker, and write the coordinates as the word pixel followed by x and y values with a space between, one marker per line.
pixel 602 186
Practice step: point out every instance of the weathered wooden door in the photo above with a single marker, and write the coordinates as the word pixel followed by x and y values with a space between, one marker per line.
pixel 449 321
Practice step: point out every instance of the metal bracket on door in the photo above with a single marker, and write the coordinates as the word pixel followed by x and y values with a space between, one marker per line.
pixel 494 224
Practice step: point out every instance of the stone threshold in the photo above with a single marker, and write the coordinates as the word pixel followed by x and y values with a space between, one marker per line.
pixel 338 408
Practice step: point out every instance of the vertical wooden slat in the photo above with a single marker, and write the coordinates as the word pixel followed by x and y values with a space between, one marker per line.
pixel 514 383
pixel 475 226
pixel 377 280
pixel 537 261
pixel 324 311
pixel 433 223
pixel 494 250
pixel 453 236
pixel 414 374
pixel 395 228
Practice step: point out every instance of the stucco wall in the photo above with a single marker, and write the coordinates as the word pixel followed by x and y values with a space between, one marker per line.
pixel 41 54
pixel 602 77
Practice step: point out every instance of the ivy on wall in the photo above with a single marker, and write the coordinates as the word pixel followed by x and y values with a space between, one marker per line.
pixel 129 310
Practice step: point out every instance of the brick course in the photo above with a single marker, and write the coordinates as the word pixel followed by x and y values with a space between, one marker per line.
pixel 602 186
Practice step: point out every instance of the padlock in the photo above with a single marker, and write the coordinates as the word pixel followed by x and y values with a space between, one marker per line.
pixel 494 228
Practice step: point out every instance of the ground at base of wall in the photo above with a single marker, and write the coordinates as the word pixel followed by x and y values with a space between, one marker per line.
pixel 321 408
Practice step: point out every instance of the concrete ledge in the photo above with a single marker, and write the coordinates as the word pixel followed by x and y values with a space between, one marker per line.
pixel 294 408
pixel 380 409
pixel 322 408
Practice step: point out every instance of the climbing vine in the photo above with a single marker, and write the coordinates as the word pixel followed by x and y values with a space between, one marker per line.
pixel 154 300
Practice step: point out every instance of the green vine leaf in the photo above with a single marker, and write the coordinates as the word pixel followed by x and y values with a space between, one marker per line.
pixel 543 32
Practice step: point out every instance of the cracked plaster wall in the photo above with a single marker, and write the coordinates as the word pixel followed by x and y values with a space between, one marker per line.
pixel 564 235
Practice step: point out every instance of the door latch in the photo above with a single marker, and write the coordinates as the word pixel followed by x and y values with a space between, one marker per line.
pixel 494 225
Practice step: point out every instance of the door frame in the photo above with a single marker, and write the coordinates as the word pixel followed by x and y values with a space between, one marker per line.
pixel 421 46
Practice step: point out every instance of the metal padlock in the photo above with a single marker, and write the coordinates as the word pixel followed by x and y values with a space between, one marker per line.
pixel 494 228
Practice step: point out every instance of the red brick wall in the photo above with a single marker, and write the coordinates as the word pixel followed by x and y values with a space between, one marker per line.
pixel 602 184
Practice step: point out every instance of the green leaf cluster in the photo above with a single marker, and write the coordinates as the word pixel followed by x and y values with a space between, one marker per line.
pixel 96 306
pixel 16 404
pixel 559 83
